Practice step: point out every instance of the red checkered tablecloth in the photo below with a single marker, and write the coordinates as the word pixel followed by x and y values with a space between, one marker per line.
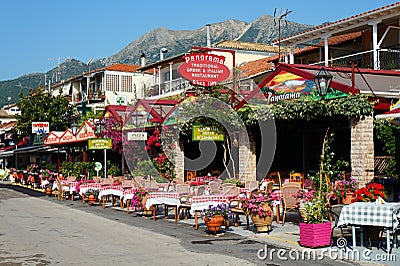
pixel 211 198
pixel 170 195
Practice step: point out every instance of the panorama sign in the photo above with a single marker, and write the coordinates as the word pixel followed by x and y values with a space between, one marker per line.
pixel 204 69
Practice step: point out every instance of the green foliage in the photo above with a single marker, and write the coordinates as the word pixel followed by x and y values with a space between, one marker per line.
pixel 70 169
pixel 112 169
pixel 44 107
pixel 316 211
pixel 145 168
pixel 385 132
pixel 305 108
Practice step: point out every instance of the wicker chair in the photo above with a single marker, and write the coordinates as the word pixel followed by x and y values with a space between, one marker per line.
pixel 182 188
pixel 289 201
pixel 215 187
pixel 252 185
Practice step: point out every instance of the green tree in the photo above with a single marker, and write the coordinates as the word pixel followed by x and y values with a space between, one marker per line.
pixel 44 107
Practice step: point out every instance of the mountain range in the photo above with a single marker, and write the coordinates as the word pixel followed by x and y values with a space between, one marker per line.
pixel 262 30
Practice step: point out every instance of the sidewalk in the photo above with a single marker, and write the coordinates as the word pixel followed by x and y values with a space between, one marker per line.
pixel 288 237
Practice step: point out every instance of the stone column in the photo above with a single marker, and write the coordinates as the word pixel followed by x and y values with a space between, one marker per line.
pixel 179 161
pixel 247 156
pixel 362 150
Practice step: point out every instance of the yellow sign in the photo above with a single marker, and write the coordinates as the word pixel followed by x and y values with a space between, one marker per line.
pixel 99 144
pixel 200 132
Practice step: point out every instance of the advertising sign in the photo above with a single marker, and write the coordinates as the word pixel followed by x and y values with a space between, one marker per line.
pixel 200 132
pixel 99 144
pixel 204 69
pixel 40 127
pixel 135 136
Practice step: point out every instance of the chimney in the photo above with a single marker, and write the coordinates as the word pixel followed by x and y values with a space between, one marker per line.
pixel 162 52
pixel 142 60
pixel 208 35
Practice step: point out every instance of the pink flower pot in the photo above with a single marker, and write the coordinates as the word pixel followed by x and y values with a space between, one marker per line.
pixel 315 235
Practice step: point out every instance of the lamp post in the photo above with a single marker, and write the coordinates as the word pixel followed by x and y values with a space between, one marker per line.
pixel 99 128
pixel 323 80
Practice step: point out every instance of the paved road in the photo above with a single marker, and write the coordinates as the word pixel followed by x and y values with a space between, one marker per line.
pixel 38 230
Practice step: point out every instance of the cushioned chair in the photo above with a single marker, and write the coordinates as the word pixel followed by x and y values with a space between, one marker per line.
pixel 288 200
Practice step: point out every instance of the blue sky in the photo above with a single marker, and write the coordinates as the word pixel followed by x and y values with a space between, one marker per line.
pixel 35 33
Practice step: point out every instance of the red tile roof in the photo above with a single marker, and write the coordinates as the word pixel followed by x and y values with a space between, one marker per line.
pixel 264 64
pixel 123 68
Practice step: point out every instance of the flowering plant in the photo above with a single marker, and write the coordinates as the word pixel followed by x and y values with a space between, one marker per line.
pixel 32 167
pixel 46 175
pixel 91 191
pixel 138 196
pixel 197 183
pixel 221 209
pixel 369 193
pixel 304 195
pixel 342 187
pixel 255 204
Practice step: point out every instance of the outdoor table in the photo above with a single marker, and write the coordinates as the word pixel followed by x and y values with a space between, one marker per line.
pixel 69 186
pixel 370 214
pixel 111 190
pixel 199 203
pixel 166 198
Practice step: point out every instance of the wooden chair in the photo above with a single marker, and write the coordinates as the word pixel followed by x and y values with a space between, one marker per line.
pixel 288 200
pixel 236 209
pixel 230 190
pixel 297 178
pixel 269 186
pixel 276 178
pixel 215 187
pixel 200 190
pixel 184 206
pixel 61 193
pixel 190 175
pixel 182 188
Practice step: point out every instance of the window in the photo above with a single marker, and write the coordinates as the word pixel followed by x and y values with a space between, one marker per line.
pixel 126 83
pixel 112 82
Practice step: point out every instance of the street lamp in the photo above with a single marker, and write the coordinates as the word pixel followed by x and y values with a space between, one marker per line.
pixel 323 80
pixel 74 128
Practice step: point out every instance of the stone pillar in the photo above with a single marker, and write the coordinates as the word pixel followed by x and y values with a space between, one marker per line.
pixel 247 156
pixel 362 150
pixel 179 161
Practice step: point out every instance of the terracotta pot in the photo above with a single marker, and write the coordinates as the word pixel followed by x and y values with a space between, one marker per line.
pixel 48 191
pixel 262 224
pixel 214 223
pixel 91 199
pixel 348 199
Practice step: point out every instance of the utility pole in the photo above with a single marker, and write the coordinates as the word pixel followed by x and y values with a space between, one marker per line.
pixel 282 17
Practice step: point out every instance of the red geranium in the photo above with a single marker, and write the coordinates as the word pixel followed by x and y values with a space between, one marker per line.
pixel 369 193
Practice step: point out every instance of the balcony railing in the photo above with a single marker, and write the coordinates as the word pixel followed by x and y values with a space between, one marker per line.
pixel 168 87
pixel 387 59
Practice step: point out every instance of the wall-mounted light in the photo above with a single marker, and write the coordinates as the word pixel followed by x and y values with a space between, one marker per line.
pixel 323 80
pixel 74 128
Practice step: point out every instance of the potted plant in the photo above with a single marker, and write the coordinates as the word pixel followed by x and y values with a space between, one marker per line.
pixel 258 206
pixel 138 201
pixel 303 196
pixel 316 230
pixel 48 188
pixel 92 195
pixel 370 192
pixel 214 216
pixel 342 190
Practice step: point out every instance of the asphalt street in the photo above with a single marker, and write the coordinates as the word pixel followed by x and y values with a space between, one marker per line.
pixel 39 230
